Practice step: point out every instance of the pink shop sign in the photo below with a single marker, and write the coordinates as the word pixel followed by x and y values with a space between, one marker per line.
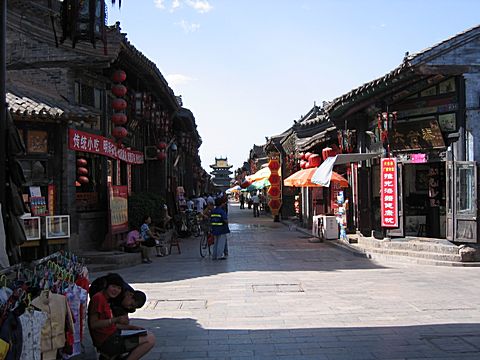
pixel 418 158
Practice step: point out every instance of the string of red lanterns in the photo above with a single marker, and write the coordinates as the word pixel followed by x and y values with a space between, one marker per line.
pixel 119 118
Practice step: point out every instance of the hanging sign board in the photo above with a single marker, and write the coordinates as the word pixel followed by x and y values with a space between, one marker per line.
pixel 118 208
pixel 96 144
pixel 388 186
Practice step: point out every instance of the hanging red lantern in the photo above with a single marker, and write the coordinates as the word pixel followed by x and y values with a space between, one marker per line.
pixel 274 165
pixel 327 152
pixel 162 145
pixel 83 180
pixel 81 162
pixel 274 192
pixel 119 118
pixel 274 179
pixel 119 104
pixel 119 76
pixel 314 160
pixel 119 132
pixel 162 155
pixel 119 90
pixel 301 156
pixel 307 155
pixel 274 204
pixel 307 165
pixel 302 164
pixel 82 171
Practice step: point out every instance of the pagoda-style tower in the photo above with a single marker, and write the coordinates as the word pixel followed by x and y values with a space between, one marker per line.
pixel 221 174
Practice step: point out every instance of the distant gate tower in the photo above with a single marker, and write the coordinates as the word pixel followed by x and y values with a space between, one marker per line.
pixel 221 174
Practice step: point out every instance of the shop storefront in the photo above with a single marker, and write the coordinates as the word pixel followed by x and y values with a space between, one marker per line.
pixel 91 151
pixel 417 135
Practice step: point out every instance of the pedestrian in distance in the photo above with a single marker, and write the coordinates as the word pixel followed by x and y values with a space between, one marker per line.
pixel 256 205
pixel 242 201
pixel 219 228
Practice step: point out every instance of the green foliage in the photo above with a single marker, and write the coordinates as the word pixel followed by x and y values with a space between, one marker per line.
pixel 142 204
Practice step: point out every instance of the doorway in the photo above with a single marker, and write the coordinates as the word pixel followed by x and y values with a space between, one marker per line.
pixel 424 200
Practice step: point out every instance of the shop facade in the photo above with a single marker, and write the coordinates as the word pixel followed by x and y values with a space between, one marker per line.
pixel 423 115
pixel 99 126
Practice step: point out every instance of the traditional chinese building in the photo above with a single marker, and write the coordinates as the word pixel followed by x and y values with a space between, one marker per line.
pixel 98 123
pixel 424 116
pixel 221 174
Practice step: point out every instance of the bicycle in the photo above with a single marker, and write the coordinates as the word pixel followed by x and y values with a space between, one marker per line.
pixel 205 240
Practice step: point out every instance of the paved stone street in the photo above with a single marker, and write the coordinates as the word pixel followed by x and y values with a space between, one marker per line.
pixel 280 297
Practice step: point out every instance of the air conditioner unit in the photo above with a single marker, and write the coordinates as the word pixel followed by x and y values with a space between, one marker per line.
pixel 151 153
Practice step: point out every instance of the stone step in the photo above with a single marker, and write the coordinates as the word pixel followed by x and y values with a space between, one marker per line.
pixel 405 256
pixel 387 258
pixel 412 245
pixel 110 259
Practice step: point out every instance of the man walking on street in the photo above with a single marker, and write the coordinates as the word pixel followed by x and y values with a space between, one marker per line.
pixel 219 226
pixel 256 204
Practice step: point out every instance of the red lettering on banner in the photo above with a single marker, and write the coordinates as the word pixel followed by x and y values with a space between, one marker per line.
pixel 96 144
pixel 388 183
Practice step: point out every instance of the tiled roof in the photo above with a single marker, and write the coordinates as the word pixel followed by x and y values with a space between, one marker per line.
pixel 26 102
pixel 407 65
pixel 151 65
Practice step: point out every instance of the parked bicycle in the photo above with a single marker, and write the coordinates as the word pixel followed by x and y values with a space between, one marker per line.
pixel 206 240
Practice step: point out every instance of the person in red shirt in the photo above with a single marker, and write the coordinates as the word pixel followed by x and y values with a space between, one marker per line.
pixel 103 328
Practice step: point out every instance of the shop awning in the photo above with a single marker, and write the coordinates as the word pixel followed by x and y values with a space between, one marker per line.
pixel 303 178
pixel 263 173
pixel 323 174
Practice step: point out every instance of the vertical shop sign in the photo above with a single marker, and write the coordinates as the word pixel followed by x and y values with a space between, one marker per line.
pixel 51 199
pixel 388 183
pixel 118 174
pixel 118 208
pixel 129 179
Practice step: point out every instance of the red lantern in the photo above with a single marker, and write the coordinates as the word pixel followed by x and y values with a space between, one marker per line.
pixel 307 165
pixel 119 104
pixel 307 155
pixel 315 160
pixel 83 180
pixel 302 164
pixel 119 132
pixel 274 204
pixel 81 162
pixel 301 156
pixel 274 191
pixel 274 179
pixel 119 76
pixel 274 165
pixel 119 118
pixel 162 155
pixel 327 152
pixel 119 90
pixel 82 171
pixel 162 145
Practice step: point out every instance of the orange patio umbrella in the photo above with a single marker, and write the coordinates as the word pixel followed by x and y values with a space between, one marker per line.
pixel 303 178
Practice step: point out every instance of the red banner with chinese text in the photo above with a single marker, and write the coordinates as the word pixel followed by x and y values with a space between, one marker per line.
pixel 389 193
pixel 96 144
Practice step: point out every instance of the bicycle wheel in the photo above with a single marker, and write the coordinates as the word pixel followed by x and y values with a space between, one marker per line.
pixel 204 248
pixel 196 230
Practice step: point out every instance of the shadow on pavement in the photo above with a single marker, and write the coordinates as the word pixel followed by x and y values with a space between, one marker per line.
pixel 187 339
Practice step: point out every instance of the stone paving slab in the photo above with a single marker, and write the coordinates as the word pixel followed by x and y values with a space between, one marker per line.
pixel 349 307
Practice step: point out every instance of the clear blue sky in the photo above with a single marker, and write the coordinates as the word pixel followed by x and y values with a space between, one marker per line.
pixel 248 68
